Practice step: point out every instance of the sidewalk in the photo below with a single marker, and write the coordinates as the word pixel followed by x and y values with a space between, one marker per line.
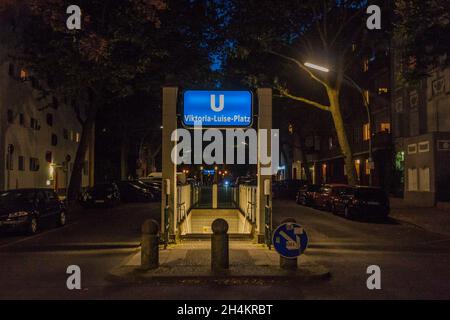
pixel 190 261
pixel 432 219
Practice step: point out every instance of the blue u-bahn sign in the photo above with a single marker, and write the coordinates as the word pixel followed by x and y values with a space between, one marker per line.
pixel 217 108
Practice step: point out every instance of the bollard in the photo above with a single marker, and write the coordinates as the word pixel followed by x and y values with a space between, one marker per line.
pixel 219 245
pixel 150 245
pixel 285 263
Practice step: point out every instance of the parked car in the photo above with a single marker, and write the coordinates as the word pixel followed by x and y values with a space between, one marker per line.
pixel 153 187
pixel 104 194
pixel 327 193
pixel 28 209
pixel 306 194
pixel 361 202
pixel 131 192
pixel 286 189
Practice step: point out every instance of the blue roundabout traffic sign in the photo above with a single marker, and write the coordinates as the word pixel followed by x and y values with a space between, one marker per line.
pixel 290 240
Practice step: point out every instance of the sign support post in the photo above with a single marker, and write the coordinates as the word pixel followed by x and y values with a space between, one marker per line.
pixel 264 122
pixel 169 168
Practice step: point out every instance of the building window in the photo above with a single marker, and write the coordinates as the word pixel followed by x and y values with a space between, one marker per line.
pixel 438 86
pixel 21 163
pixel 22 119
pixel 399 105
pixel 424 146
pixel 413 100
pixel 54 139
pixel 10 116
pixel 48 156
pixel 367 167
pixel 424 179
pixel 324 173
pixel 412 148
pixel 23 74
pixel 65 134
pixel 412 179
pixel 383 90
pixel 366 65
pixel 34 164
pixel 385 127
pixel 366 132
pixel 358 168
pixel 77 137
pixel 50 119
pixel 34 124
pixel 55 103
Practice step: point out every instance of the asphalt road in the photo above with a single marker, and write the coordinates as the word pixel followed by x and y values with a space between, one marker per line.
pixel 414 263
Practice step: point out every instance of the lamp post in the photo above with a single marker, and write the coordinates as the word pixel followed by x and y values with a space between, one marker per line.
pixel 366 106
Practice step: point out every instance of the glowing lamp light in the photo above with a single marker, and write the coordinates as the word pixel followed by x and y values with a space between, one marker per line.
pixel 316 67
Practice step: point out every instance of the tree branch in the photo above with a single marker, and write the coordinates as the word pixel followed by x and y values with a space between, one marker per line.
pixel 285 93
pixel 301 66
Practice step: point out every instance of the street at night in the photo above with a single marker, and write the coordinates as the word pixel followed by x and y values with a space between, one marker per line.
pixel 225 158
pixel 413 261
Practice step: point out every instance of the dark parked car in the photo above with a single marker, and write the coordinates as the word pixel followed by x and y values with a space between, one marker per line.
pixel 286 189
pixel 131 192
pixel 327 193
pixel 306 194
pixel 27 209
pixel 104 194
pixel 154 188
pixel 361 202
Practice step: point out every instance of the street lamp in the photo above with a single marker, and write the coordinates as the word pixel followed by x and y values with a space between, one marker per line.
pixel 366 105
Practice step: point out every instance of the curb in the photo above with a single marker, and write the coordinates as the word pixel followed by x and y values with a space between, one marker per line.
pixel 133 275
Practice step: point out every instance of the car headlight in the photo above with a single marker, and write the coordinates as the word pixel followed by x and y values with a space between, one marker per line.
pixel 18 214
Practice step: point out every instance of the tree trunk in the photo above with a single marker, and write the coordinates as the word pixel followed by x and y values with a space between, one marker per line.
pixel 124 148
pixel 86 134
pixel 346 150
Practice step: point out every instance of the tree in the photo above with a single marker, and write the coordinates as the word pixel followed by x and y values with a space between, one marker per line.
pixel 330 33
pixel 422 34
pixel 123 47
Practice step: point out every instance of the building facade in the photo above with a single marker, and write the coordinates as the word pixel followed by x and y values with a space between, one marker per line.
pixel 421 129
pixel 39 137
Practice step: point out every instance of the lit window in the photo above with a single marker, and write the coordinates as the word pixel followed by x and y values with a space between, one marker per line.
pixel 366 132
pixel 366 65
pixel 358 167
pixel 367 167
pixel 23 74
pixel 77 137
pixel 385 127
pixel 383 90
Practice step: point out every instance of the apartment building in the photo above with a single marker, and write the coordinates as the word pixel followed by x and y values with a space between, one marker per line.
pixel 38 137
pixel 421 129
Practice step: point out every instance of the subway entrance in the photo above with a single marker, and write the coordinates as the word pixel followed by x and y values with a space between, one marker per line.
pixel 215 191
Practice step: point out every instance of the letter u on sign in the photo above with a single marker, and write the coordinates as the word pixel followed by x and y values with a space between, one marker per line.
pixel 221 103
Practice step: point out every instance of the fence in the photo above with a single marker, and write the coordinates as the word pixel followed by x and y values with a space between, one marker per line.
pixel 247 201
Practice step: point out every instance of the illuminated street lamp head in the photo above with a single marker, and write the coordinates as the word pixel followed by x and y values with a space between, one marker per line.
pixel 316 67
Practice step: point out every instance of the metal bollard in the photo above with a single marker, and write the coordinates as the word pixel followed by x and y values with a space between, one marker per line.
pixel 285 263
pixel 150 245
pixel 219 245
